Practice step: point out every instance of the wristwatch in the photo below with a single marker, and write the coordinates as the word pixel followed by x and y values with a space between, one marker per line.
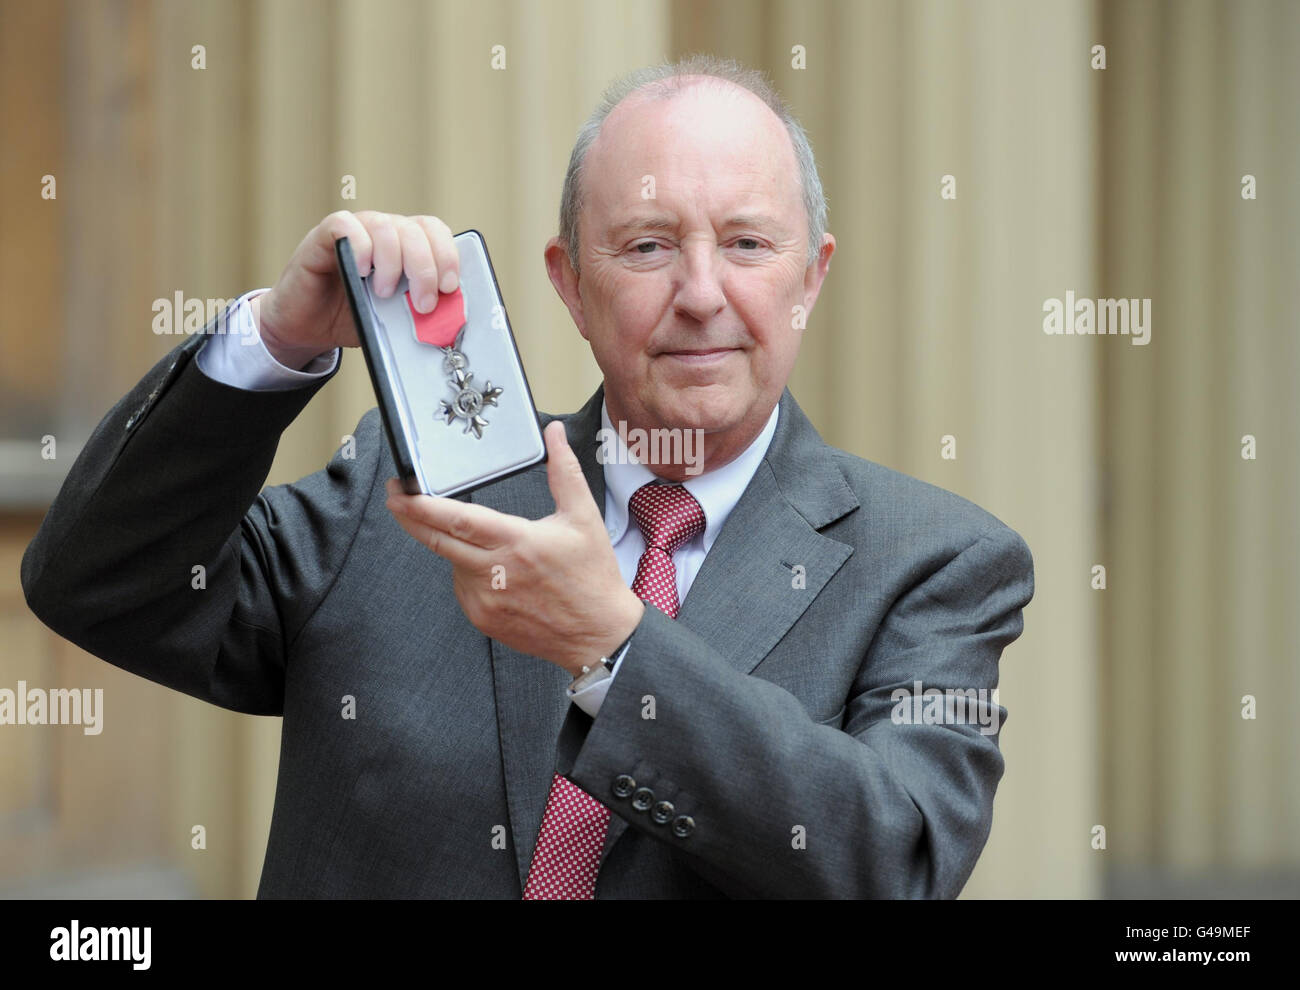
pixel 602 670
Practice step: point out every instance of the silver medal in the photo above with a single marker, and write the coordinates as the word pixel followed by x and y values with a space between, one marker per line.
pixel 469 400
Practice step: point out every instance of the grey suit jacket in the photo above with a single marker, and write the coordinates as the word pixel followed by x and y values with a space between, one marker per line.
pixel 771 766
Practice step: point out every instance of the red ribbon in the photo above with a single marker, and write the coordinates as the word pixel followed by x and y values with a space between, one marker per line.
pixel 440 327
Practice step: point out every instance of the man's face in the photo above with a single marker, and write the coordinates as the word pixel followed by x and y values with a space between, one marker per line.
pixel 693 251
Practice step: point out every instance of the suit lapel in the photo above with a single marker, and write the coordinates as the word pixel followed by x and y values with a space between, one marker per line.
pixel 769 562
pixel 744 599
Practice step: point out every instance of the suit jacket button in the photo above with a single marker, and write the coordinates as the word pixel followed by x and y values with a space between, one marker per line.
pixel 643 798
pixel 624 785
pixel 683 826
pixel 663 813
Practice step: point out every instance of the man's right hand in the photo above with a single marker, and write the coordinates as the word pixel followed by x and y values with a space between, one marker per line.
pixel 306 314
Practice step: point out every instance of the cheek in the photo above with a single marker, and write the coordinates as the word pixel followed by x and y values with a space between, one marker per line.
pixel 631 309
pixel 768 309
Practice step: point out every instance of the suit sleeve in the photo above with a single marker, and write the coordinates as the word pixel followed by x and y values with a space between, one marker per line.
pixel 170 482
pixel 768 803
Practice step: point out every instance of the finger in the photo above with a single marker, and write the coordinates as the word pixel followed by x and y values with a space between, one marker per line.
pixel 459 552
pixel 478 525
pixel 387 252
pixel 564 475
pixel 445 252
pixel 342 223
pixel 417 262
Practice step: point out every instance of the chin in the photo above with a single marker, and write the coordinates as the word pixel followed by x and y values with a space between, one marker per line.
pixel 710 409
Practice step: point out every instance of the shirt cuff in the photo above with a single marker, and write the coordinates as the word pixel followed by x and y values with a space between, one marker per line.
pixel 589 699
pixel 240 358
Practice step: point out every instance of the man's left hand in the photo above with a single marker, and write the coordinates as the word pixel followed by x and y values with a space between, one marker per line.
pixel 548 587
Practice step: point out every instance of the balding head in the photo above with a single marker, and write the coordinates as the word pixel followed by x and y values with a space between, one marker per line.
pixel 665 82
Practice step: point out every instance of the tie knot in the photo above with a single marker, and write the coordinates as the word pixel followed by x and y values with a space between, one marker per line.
pixel 667 514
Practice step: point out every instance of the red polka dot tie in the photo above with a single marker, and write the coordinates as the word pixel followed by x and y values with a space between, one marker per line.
pixel 567 857
pixel 668 516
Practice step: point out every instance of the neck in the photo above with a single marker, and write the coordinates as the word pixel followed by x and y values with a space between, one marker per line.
pixel 680 454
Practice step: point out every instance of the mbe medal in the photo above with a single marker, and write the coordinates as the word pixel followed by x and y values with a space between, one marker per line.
pixel 469 400
pixel 445 327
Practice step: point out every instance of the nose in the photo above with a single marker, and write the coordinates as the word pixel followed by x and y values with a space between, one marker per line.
pixel 699 292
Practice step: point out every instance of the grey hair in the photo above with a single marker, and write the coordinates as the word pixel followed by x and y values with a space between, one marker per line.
pixel 665 81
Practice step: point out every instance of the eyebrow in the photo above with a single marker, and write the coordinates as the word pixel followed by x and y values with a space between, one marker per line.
pixel 759 220
pixel 643 224
pixel 667 223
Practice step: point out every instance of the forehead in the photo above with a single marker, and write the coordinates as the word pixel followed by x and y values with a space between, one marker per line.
pixel 711 139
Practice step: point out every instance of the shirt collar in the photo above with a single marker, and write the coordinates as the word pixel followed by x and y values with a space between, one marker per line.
pixel 717 491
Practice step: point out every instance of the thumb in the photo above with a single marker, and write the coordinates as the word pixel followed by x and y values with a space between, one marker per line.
pixel 564 474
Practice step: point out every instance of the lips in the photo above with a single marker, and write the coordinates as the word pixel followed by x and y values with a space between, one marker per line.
pixel 698 352
pixel 700 357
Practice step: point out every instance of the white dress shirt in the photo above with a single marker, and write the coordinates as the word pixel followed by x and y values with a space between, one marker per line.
pixel 240 359
pixel 234 359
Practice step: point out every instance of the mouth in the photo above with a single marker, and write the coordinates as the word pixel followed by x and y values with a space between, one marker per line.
pixel 709 356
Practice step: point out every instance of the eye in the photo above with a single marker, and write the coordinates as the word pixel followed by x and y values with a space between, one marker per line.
pixel 750 243
pixel 640 248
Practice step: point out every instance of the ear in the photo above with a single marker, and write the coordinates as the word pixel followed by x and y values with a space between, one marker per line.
pixel 816 274
pixel 565 279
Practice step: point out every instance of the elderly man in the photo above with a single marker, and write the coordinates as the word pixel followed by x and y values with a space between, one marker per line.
pixel 737 682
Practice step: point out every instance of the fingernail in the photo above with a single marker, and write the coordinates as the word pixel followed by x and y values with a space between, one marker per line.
pixel 428 302
pixel 448 282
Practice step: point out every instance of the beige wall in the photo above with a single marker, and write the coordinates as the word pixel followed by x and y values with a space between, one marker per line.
pixel 1124 704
